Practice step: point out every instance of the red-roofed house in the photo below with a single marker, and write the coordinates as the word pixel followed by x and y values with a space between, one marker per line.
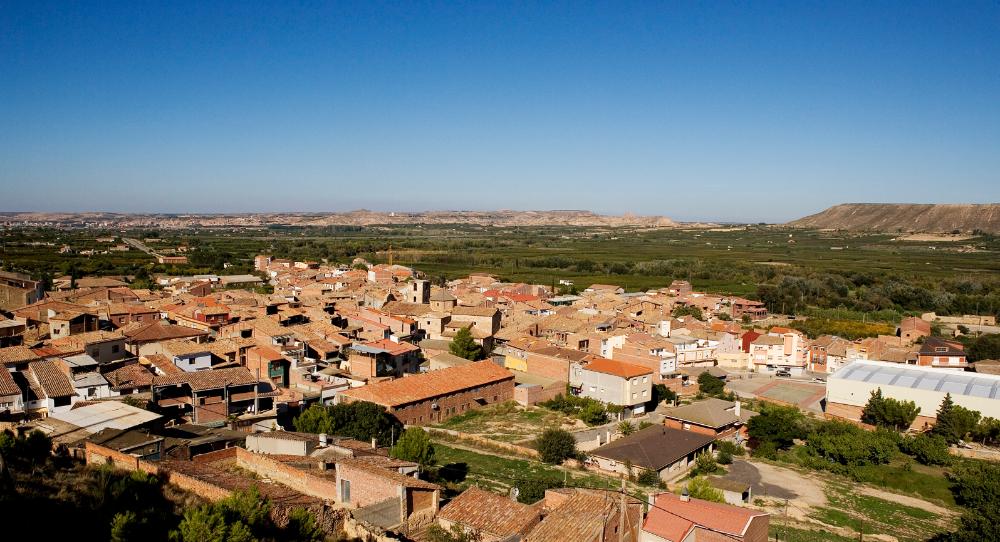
pixel 677 518
pixel 615 382
pixel 268 364
pixel 438 395
pixel 384 358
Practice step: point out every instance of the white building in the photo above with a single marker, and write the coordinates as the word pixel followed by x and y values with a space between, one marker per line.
pixel 848 389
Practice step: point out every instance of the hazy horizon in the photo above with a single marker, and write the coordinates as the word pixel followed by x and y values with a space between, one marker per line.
pixel 698 112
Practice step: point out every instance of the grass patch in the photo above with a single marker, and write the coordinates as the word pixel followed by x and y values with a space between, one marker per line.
pixel 501 473
pixel 924 481
pixel 791 534
pixel 506 422
pixel 869 514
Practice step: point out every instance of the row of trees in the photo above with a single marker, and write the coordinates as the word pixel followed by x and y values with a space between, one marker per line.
pixel 953 422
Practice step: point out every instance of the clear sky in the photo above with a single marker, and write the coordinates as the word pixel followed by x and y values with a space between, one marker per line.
pixel 694 110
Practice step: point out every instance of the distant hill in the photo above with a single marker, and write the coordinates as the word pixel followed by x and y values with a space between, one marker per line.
pixel 361 217
pixel 907 217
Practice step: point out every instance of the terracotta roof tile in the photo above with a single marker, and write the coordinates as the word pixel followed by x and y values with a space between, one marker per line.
pixel 420 387
pixel 732 520
pixel 207 380
pixel 489 513
pixel 617 368
pixel 129 376
pixel 7 384
pixel 17 354
pixel 54 383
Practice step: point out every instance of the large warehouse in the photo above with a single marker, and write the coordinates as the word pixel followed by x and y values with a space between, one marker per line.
pixel 848 389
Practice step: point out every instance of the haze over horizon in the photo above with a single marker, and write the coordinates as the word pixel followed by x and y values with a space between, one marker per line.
pixel 764 112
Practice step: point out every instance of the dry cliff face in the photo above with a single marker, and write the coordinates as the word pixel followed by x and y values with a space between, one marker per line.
pixel 352 218
pixel 907 217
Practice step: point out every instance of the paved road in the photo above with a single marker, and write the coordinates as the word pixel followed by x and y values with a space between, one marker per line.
pixel 138 245
pixel 743 471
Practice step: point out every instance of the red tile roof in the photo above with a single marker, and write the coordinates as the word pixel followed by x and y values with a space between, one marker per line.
pixel 489 513
pixel 207 380
pixel 129 376
pixel 617 368
pixel 425 386
pixel 393 348
pixel 54 383
pixel 7 384
pixel 724 518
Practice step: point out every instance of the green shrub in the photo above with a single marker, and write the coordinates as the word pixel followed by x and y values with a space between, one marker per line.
pixel 928 449
pixel 556 446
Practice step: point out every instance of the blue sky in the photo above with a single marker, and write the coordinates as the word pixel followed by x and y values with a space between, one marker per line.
pixel 709 110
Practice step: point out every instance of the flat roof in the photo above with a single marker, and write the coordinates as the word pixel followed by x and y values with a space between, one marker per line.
pixel 104 415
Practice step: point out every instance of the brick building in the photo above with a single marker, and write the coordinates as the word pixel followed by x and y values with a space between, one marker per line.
pixel 712 417
pixel 438 395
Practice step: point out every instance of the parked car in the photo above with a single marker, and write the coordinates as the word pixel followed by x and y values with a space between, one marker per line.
pixel 783 373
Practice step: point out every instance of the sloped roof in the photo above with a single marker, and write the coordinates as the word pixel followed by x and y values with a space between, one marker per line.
pixel 664 517
pixel 17 354
pixel 489 513
pixel 424 386
pixel 54 383
pixel 617 368
pixel 159 331
pixel 7 384
pixel 654 447
pixel 709 412
pixel 207 380
pixel 130 376
pixel 580 517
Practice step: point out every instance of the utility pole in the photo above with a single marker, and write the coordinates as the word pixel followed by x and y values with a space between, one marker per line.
pixel 621 514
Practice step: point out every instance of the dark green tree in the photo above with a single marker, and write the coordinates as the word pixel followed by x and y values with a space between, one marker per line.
pixel 954 422
pixel 889 412
pixel 777 425
pixel 360 420
pixel 687 310
pixel 302 527
pixel 414 445
pixel 464 346
pixel 532 490
pixel 927 449
pixel 710 385
pixel 555 446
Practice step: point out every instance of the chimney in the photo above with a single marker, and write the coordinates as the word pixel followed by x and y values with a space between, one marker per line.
pixel 685 496
pixel 737 409
pixel 322 440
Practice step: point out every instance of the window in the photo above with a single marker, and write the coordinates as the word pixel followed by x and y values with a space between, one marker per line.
pixel 115 348
pixel 644 392
pixel 345 490
pixel 91 392
pixel 940 349
pixel 593 388
pixel 645 379
pixel 633 395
